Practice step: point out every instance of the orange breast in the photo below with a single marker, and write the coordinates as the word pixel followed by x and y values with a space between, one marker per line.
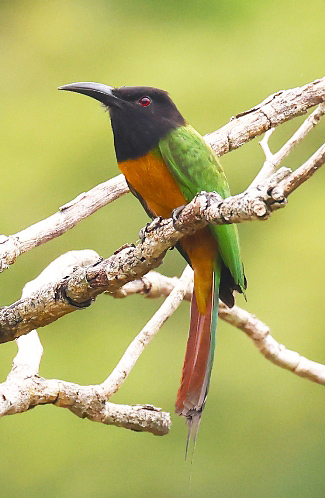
pixel 151 178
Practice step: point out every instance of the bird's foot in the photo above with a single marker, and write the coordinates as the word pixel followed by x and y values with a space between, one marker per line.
pixel 176 214
pixel 210 197
pixel 152 225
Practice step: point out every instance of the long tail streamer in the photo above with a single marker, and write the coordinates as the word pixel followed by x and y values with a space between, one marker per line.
pixel 198 362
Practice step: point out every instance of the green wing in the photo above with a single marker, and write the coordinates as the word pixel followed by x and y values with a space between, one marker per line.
pixel 195 167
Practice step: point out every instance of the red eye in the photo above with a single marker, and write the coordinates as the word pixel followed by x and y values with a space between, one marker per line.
pixel 145 101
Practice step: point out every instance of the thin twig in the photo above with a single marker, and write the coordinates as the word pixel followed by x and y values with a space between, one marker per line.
pixel 300 134
pixel 304 172
pixel 273 161
pixel 138 345
pixel 277 353
pixel 269 166
pixel 66 218
pixel 151 286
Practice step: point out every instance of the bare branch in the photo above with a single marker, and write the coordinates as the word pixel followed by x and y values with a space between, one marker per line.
pixel 24 388
pixel 66 218
pixel 19 394
pixel 274 110
pixel 274 160
pixel 305 172
pixel 300 134
pixel 258 332
pixel 278 354
pixel 181 288
pixel 131 262
pixel 151 286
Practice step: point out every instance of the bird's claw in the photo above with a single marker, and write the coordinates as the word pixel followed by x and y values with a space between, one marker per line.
pixel 176 214
pixel 210 197
pixel 143 231
pixel 152 225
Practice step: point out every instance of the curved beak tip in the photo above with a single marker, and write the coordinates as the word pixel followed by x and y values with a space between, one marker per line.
pixel 74 86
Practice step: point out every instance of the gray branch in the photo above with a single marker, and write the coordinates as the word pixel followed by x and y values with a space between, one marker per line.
pixel 66 218
pixel 21 393
pixel 273 111
pixel 83 285
pixel 24 388
pixel 74 280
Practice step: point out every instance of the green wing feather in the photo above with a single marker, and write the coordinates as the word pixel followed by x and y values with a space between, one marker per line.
pixel 195 167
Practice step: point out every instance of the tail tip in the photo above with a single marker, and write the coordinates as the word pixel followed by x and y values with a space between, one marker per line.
pixel 193 423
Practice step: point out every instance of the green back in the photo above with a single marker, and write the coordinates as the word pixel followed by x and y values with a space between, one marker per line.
pixel 195 167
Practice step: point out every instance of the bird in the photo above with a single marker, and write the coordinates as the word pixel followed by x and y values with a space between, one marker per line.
pixel 166 163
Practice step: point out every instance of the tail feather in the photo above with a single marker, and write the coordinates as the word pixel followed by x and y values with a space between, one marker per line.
pixel 198 361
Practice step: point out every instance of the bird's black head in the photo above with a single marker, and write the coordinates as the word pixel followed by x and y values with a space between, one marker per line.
pixel 140 115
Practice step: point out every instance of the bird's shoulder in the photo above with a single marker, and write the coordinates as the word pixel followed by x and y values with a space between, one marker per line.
pixel 188 155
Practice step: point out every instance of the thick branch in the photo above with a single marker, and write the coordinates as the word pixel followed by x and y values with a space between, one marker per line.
pixel 274 110
pixel 131 262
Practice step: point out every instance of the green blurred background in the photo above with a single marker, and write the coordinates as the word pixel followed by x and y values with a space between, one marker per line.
pixel 262 433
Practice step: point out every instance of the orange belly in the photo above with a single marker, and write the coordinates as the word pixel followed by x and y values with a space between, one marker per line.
pixel 150 177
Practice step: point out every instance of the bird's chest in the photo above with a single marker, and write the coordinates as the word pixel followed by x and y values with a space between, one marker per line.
pixel 150 177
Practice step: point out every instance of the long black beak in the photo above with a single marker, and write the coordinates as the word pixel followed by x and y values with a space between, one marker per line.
pixel 98 91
